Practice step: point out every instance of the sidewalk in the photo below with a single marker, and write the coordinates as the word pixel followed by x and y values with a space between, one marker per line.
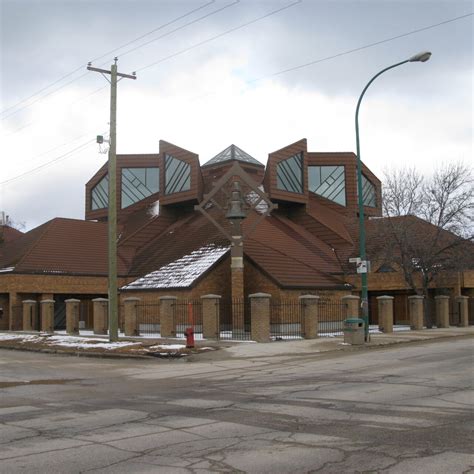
pixel 326 344
pixel 211 350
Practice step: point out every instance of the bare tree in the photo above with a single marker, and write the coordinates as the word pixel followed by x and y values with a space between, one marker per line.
pixel 428 228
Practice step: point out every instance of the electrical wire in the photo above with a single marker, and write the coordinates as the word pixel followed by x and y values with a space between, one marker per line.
pixel 48 163
pixel 344 53
pixel 57 81
pixel 220 35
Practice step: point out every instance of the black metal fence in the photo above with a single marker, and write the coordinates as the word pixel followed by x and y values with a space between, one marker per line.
pixel 188 313
pixel 331 316
pixel 148 315
pixel 233 319
pixel 286 319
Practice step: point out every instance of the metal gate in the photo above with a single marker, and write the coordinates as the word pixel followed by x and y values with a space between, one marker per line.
pixel 331 316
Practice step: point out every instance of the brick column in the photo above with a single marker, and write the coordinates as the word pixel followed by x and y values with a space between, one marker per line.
pixel 29 310
pixel 385 308
pixel 442 311
pixel 415 309
pixel 130 310
pixel 72 316
pixel 260 317
pixel 100 309
pixel 210 316
pixel 352 303
pixel 462 303
pixel 15 319
pixel 310 315
pixel 47 316
pixel 167 326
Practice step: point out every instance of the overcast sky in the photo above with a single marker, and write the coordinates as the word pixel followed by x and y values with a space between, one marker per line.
pixel 215 81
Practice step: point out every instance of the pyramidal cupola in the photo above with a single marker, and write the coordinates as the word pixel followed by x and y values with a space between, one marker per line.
pixel 232 153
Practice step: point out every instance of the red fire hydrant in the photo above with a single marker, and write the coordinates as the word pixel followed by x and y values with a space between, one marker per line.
pixel 189 333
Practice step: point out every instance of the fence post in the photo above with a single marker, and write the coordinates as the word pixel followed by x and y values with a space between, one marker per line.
pixel 130 310
pixel 72 316
pixel 167 326
pixel 29 308
pixel 415 308
pixel 310 315
pixel 462 302
pixel 385 307
pixel 442 311
pixel 210 316
pixel 99 315
pixel 260 317
pixel 47 316
pixel 352 303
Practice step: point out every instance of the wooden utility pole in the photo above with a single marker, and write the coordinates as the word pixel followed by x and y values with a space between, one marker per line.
pixel 112 197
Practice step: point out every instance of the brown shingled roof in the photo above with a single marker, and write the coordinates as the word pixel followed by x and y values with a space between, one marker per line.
pixel 61 246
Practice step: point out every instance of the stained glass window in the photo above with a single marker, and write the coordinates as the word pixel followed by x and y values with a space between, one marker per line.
pixel 328 182
pixel 290 174
pixel 177 175
pixel 139 183
pixel 100 194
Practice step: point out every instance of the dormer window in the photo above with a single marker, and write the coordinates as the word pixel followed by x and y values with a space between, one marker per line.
pixel 328 182
pixel 177 175
pixel 290 174
pixel 100 194
pixel 139 183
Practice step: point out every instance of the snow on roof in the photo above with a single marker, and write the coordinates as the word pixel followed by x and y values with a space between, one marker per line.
pixel 182 272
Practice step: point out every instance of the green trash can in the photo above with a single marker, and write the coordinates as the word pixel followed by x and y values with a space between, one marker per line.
pixel 354 331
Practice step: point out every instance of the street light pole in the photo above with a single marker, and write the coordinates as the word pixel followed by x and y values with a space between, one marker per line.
pixel 420 57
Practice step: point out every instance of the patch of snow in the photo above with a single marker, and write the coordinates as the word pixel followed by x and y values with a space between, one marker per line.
pixel 154 209
pixel 171 347
pixel 7 269
pixel 182 272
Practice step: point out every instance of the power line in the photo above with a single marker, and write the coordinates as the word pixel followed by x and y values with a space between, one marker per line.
pixel 95 59
pixel 220 35
pixel 55 160
pixel 360 48
pixel 349 51
pixel 207 15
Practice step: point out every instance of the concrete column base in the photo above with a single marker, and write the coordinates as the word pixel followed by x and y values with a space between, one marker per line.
pixel 260 317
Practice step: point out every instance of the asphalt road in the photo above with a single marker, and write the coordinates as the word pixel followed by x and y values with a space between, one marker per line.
pixel 404 409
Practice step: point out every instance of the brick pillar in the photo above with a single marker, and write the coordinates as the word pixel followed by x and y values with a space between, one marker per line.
pixel 462 304
pixel 47 316
pixel 131 316
pixel 385 308
pixel 100 309
pixel 442 311
pixel 29 310
pixel 260 317
pixel 72 316
pixel 415 309
pixel 210 316
pixel 352 303
pixel 310 315
pixel 15 319
pixel 167 326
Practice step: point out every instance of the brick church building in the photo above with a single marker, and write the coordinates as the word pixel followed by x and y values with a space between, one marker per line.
pixel 177 220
